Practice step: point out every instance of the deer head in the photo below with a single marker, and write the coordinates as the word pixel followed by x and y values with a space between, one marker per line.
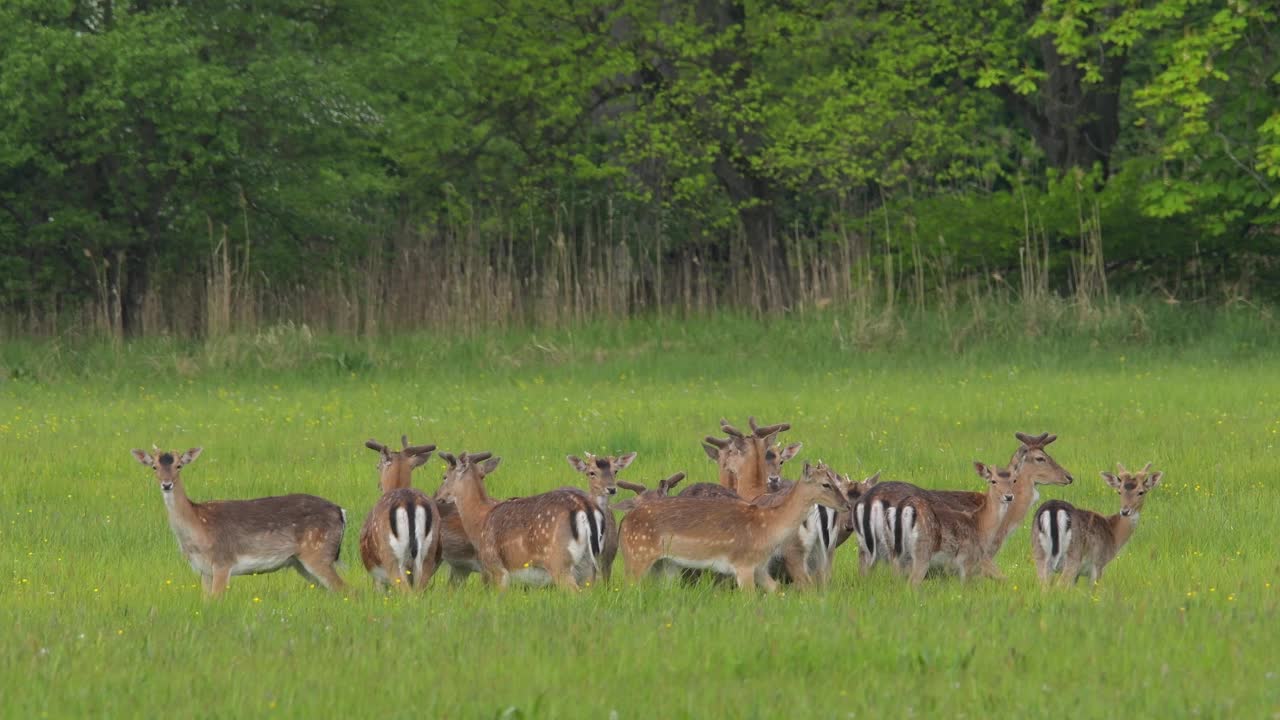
pixel 1132 487
pixel 395 467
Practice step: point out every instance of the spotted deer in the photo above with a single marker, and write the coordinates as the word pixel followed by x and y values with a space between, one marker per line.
pixel 221 538
pixel 741 459
pixel 644 494
pixel 400 539
pixel 551 537
pixel 1031 464
pixel 602 473
pixel 1071 541
pixel 727 536
pixel 931 534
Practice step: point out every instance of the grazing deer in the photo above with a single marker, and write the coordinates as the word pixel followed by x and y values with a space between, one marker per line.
pixel 221 538
pixel 1071 541
pixel 644 494
pixel 728 536
pixel 602 473
pixel 400 539
pixel 741 458
pixel 1031 464
pixel 551 537
pixel 928 533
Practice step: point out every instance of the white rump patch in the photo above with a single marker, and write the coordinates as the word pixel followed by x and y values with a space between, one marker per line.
pixel 399 539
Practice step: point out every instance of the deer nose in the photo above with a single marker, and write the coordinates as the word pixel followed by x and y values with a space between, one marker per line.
pixel 1070 478
pixel 612 490
pixel 1125 512
pixel 166 486
pixel 1008 498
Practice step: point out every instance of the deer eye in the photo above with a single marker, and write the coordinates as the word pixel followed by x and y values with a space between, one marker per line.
pixel 1142 492
pixel 826 485
pixel 1039 459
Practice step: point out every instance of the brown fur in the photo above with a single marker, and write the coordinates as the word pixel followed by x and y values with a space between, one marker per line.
pixel 299 531
pixel 937 535
pixel 741 458
pixel 523 534
pixel 377 549
pixel 602 473
pixel 1032 465
pixel 1094 540
pixel 724 534
pixel 644 494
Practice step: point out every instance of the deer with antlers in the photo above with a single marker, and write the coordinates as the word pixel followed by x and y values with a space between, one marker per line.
pixel 726 535
pixel 602 473
pixel 1031 464
pixel 1071 541
pixel 552 537
pixel 825 530
pixel 400 539
pixel 644 494
pixel 741 459
pixel 221 538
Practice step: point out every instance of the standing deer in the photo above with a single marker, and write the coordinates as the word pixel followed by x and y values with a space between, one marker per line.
pixel 400 539
pixel 741 458
pixel 602 475
pixel 1071 541
pixel 805 557
pixel 1030 463
pixel 928 533
pixel 728 536
pixel 221 538
pixel 551 537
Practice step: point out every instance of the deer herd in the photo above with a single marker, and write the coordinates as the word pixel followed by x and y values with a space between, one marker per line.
pixel 753 527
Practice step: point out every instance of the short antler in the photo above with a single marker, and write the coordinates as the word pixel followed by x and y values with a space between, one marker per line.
pixel 414 449
pixel 375 445
pixel 716 441
pixel 768 429
pixel 476 457
pixel 671 482
pixel 1121 468
pixel 636 488
pixel 730 430
pixel 1147 468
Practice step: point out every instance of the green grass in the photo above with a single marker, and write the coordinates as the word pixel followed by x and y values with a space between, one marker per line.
pixel 103 617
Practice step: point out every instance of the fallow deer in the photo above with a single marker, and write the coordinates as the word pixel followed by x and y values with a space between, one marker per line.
pixel 805 557
pixel 644 494
pixel 221 538
pixel 602 473
pixel 400 539
pixel 728 536
pixel 741 458
pixel 1071 541
pixel 928 533
pixel 543 538
pixel 1032 465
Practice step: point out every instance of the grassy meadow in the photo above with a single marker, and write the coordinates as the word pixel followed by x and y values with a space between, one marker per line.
pixel 104 618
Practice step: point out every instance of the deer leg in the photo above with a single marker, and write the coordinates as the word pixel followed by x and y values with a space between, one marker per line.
pixel 919 568
pixel 746 578
pixel 793 561
pixel 206 583
pixel 1095 574
pixel 322 569
pixel 1070 571
pixel 987 568
pixel 458 575
pixel 221 577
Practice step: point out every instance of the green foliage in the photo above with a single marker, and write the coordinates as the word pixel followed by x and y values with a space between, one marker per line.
pixel 132 132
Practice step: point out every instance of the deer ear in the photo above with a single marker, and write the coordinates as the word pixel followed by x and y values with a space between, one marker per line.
pixel 143 457
pixel 490 465
pixel 983 470
pixel 624 461
pixel 1111 479
pixel 190 456
pixel 576 463
pixel 712 451
pixel 1153 480
pixel 806 474
pixel 789 452
pixel 871 481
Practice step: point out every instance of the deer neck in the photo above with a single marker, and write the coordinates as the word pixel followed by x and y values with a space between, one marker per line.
pixel 1024 496
pixel 396 477
pixel 474 506
pixel 752 483
pixel 183 517
pixel 781 518
pixel 1122 529
pixel 990 518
